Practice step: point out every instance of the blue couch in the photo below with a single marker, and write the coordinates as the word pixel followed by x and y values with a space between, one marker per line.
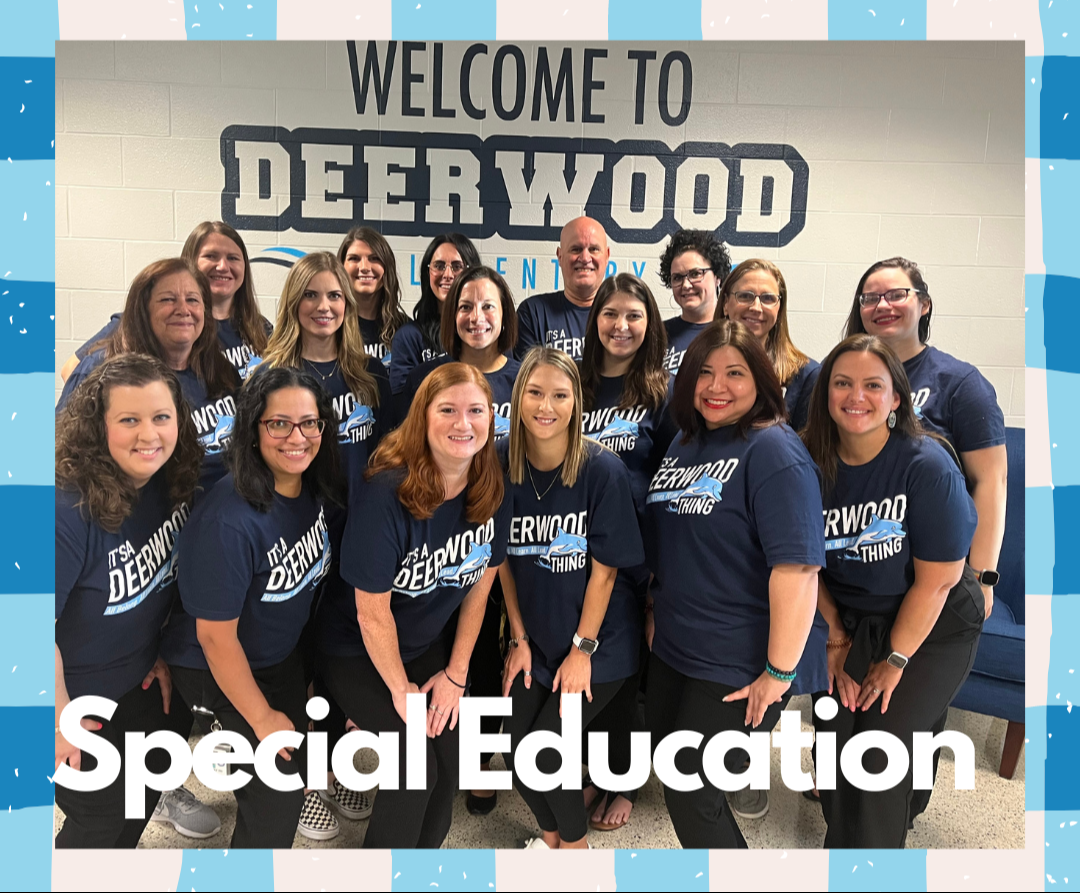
pixel 996 684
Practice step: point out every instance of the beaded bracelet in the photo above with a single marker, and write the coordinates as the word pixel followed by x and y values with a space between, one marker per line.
pixel 782 675
pixel 524 637
pixel 447 675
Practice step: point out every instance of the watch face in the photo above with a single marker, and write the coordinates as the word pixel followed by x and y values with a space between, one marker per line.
pixel 587 646
pixel 989 578
pixel 897 660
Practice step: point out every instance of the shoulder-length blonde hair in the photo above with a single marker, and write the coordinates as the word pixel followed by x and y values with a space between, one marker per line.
pixel 83 461
pixel 391 315
pixel 786 358
pixel 286 344
pixel 245 315
pixel 423 490
pixel 576 452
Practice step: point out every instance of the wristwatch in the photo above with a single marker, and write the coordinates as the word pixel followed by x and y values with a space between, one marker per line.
pixel 896 659
pixel 585 646
pixel 988 577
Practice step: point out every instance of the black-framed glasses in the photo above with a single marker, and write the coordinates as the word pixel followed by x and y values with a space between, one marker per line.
pixel 746 298
pixel 439 266
pixel 893 296
pixel 693 276
pixel 279 429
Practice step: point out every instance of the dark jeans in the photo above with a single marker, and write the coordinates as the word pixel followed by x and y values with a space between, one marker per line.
pixel 265 818
pixel 95 819
pixel 401 819
pixel 676 702
pixel 880 819
pixel 535 709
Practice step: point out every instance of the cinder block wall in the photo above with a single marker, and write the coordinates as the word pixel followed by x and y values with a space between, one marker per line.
pixel 914 149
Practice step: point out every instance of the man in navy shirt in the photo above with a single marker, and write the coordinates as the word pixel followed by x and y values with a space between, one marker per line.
pixel 558 319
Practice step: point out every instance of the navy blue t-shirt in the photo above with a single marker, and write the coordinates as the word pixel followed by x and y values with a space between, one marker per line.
pixel 114 590
pixel 553 321
pixel 797 394
pixel 409 350
pixel 371 332
pixel 953 399
pixel 427 566
pixel 639 436
pixel 910 501
pixel 236 351
pixel 551 543
pixel 261 567
pixel 213 418
pixel 721 512
pixel 501 382
pixel 679 335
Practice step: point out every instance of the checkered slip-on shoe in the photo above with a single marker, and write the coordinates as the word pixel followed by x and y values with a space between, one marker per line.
pixel 351 804
pixel 316 821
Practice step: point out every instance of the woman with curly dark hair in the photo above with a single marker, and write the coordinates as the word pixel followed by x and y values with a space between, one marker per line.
pixel 127 461
pixel 252 561
pixel 446 258
pixel 694 266
pixel 372 269
pixel 168 315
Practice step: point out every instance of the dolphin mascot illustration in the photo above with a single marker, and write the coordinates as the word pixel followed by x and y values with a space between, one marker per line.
pixel 562 545
pixel 618 428
pixel 360 416
pixel 477 560
pixel 703 486
pixel 214 441
pixel 877 531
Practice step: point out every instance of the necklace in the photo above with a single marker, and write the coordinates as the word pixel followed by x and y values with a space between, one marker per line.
pixel 539 495
pixel 315 369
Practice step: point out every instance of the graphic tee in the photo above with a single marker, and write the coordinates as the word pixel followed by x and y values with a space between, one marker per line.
pixel 551 543
pixel 114 590
pixel 910 501
pixel 371 332
pixel 679 335
pixel 264 568
pixel 553 321
pixel 720 513
pixel 427 566
pixel 408 350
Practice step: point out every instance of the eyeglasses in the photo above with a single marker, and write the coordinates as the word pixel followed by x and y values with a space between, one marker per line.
pixel 746 298
pixel 893 296
pixel 280 429
pixel 439 266
pixel 694 276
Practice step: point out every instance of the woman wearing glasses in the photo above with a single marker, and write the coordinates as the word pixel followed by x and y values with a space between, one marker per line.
pixel 693 266
pixel 755 294
pixel 252 558
pixel 446 258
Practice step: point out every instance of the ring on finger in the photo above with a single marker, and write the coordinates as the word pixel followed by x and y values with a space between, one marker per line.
pixel 877 691
pixel 441 712
pixel 528 672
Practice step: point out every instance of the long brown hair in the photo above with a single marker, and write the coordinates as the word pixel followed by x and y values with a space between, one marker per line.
pixel 83 461
pixel 422 491
pixel 287 343
pixel 244 315
pixel 391 316
pixel 821 436
pixel 448 333
pixel 786 358
pixel 135 334
pixel 854 324
pixel 768 408
pixel 646 381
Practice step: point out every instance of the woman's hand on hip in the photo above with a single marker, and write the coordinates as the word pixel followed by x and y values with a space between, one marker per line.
pixel 759 694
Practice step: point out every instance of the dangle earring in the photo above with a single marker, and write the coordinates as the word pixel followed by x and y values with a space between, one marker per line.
pixel 892 419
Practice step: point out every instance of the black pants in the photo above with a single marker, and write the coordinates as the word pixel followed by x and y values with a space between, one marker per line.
pixel 880 819
pixel 535 709
pixel 675 702
pixel 486 664
pixel 619 718
pixel 95 819
pixel 401 819
pixel 265 818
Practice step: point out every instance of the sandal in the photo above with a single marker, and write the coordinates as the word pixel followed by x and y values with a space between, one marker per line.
pixel 607 826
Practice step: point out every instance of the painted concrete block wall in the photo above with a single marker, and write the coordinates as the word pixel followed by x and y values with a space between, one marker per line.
pixel 911 149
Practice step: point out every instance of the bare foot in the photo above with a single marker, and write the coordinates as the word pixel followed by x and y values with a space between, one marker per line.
pixel 618 813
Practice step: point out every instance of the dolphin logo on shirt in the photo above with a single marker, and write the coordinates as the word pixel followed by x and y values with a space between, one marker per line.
pixel 619 428
pixel 704 486
pixel 386 359
pixel 464 574
pixel 502 426
pixel 877 531
pixel 360 416
pixel 564 544
pixel 214 442
pixel 249 367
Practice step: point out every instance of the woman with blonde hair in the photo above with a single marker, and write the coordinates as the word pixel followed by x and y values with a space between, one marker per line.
pixel 755 294
pixel 426 532
pixel 574 525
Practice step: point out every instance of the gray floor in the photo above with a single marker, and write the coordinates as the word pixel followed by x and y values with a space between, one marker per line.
pixel 792 822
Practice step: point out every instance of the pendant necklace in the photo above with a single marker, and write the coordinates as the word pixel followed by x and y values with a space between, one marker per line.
pixel 539 495
pixel 315 369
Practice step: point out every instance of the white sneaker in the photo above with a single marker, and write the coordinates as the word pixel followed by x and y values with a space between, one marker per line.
pixel 536 843
pixel 187 814
pixel 316 821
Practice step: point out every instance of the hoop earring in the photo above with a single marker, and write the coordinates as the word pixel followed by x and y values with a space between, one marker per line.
pixel 892 419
